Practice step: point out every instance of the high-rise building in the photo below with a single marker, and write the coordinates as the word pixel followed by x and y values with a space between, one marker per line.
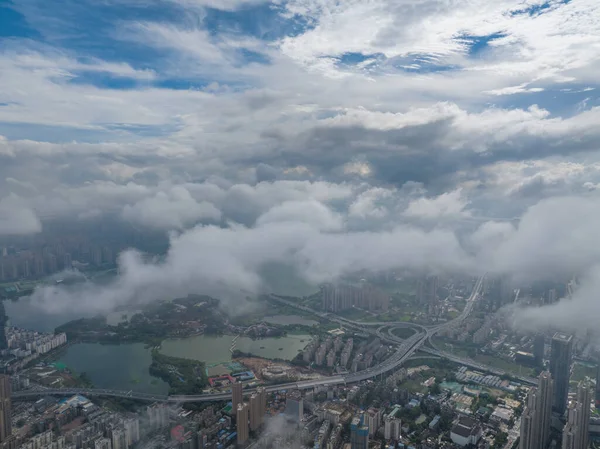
pixel 373 420
pixel 158 415
pixel 132 431
pixel 392 428
pixel 5 408
pixel 102 443
pixel 537 415
pixel 560 368
pixel 262 394
pixel 236 395
pixel 202 439
pixel 256 411
pixel 359 433
pixel 294 406
pixel 539 347
pixel 597 396
pixel 118 439
pixel 242 423
pixel 365 296
pixel 427 290
pixel 10 443
pixel 576 431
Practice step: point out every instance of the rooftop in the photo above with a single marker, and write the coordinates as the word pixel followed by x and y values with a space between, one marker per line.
pixel 562 337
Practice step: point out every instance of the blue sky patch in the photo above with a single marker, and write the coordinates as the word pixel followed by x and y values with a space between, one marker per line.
pixel 261 21
pixel 565 101
pixel 357 58
pixel 535 10
pixel 13 24
pixel 420 63
pixel 478 44
pixel 106 80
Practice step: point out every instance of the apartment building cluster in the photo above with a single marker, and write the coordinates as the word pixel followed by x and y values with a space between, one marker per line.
pixel 23 343
pixel 337 353
pixel 324 352
pixel 47 259
pixel 336 298
pixel 84 424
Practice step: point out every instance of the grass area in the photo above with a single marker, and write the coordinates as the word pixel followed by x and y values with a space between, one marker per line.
pixel 414 386
pixel 356 315
pixel 264 308
pixel 583 370
pixel 403 287
pixel 465 350
pixel 455 349
pixel 403 332
pixel 505 365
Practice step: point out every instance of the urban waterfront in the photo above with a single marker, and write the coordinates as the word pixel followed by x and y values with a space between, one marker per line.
pixel 211 349
pixel 287 320
pixel 24 313
pixel 123 367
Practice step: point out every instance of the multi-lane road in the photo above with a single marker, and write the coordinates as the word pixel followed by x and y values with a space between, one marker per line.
pixel 405 349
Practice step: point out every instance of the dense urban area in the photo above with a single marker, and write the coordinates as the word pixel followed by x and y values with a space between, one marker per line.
pixel 395 360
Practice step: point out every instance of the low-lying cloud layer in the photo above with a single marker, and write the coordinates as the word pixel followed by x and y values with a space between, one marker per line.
pixel 551 240
pixel 328 136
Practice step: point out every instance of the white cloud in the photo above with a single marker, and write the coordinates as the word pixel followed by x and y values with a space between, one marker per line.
pixel 172 209
pixel 226 262
pixel 450 205
pixel 368 204
pixel 225 5
pixel 311 212
pixel 16 218
pixel 528 45
pixel 512 90
pixel 172 158
pixel 578 314
pixel 362 169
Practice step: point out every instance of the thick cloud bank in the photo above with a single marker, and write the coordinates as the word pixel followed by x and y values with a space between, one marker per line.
pixel 556 237
pixel 16 218
pixel 329 136
pixel 226 262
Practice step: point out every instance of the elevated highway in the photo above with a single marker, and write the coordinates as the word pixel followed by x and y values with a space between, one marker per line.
pixel 406 348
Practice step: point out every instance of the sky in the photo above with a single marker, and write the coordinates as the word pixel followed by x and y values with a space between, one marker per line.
pixel 446 136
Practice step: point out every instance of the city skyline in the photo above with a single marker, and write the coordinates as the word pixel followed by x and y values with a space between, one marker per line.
pixel 299 224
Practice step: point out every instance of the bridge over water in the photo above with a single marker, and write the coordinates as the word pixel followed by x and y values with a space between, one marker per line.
pixel 406 348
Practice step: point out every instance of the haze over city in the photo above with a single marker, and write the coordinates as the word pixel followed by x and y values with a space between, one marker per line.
pixel 430 162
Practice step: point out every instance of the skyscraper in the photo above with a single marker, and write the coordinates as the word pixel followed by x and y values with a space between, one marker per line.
pixel 359 433
pixel 5 408
pixel 373 420
pixel 236 395
pixel 3 324
pixel 597 396
pixel 576 431
pixel 392 428
pixel 427 290
pixel 560 368
pixel 539 346
pixel 242 423
pixel 256 416
pixel 535 421
pixel 294 406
